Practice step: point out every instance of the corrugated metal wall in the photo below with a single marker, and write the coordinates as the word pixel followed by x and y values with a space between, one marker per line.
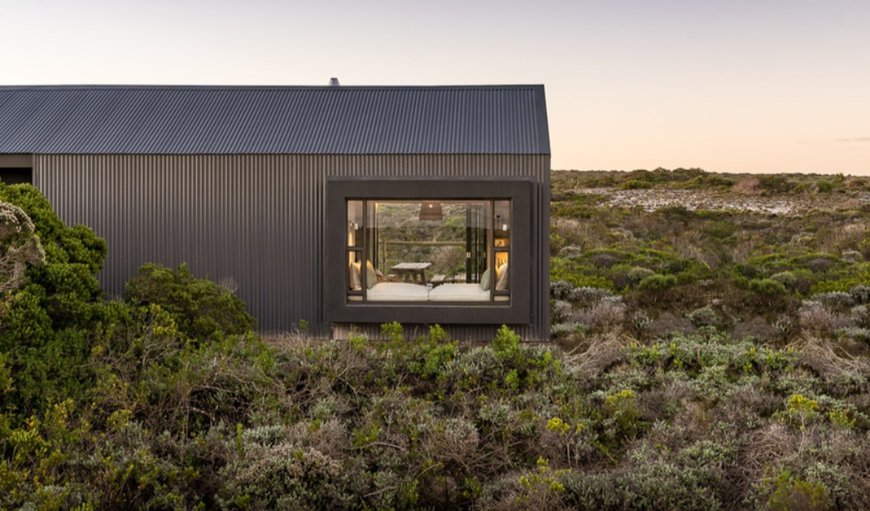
pixel 255 219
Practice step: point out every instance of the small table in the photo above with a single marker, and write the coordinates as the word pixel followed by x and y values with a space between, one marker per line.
pixel 410 271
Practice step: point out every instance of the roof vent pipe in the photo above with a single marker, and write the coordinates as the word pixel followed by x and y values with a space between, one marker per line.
pixel 333 82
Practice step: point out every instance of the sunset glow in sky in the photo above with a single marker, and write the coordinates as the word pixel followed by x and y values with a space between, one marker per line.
pixel 738 86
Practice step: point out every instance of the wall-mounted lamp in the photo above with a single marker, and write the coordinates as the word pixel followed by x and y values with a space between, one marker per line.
pixel 352 228
pixel 431 211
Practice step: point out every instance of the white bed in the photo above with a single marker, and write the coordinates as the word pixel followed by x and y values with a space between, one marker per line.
pixel 458 293
pixel 397 292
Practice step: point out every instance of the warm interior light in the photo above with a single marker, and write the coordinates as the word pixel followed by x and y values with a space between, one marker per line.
pixel 431 211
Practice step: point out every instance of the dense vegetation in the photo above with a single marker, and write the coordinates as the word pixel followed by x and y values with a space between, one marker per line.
pixel 742 270
pixel 704 359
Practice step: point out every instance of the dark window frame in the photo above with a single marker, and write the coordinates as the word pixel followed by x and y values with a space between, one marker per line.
pixel 340 190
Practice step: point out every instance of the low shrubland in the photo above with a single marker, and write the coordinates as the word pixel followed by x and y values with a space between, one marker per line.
pixel 658 392
pixel 752 268
pixel 696 422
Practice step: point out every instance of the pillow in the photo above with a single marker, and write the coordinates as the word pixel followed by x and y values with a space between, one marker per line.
pixel 501 283
pixel 355 283
pixel 484 280
pixel 371 276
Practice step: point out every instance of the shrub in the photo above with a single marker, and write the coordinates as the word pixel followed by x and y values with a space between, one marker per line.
pixel 791 492
pixel 637 273
pixel 838 301
pixel 860 294
pixel 705 316
pixel 19 246
pixel 657 282
pixel 622 408
pixel 855 275
pixel 825 186
pixel 506 341
pixel 607 312
pixel 587 296
pixel 559 289
pixel 576 274
pixel 201 308
pixel 815 317
pixel 636 184
pixel 560 311
pixel 567 330
pixel 695 477
pixel 283 476
pixel 775 184
pixel 857 334
pixel 62 244
pixel 767 287
pixel 55 310
pixel 393 332
pixel 786 278
pixel 852 256
pixel 860 315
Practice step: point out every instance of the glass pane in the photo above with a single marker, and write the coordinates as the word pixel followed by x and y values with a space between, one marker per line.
pixel 429 251
pixel 354 223
pixel 354 277
pixel 429 242
pixel 502 273
pixel 371 231
pixel 502 223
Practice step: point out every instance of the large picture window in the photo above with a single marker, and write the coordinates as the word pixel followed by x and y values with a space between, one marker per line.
pixel 428 251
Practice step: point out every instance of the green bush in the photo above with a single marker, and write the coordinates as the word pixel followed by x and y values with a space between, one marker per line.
pixel 775 184
pixel 48 322
pixel 284 476
pixel 201 308
pixel 636 184
pixel 657 282
pixel 825 186
pixel 704 316
pixel 792 492
pixel 393 331
pixel 767 287
pixel 786 278
pixel 506 341
pixel 62 244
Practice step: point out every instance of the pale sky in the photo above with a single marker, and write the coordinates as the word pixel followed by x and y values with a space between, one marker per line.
pixel 732 86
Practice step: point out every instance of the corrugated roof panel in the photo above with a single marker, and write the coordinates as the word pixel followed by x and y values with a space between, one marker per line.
pixel 502 119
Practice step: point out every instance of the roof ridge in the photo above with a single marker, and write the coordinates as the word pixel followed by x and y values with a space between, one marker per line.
pixel 271 87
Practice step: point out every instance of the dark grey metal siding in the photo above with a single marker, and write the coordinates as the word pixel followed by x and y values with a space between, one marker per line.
pixel 257 219
pixel 486 119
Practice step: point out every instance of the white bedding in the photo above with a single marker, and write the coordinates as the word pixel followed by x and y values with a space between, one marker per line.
pixel 458 293
pixel 397 292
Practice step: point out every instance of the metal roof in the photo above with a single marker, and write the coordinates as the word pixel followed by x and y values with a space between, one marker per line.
pixel 486 119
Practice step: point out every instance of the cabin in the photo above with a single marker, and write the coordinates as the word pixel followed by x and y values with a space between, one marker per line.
pixel 334 208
